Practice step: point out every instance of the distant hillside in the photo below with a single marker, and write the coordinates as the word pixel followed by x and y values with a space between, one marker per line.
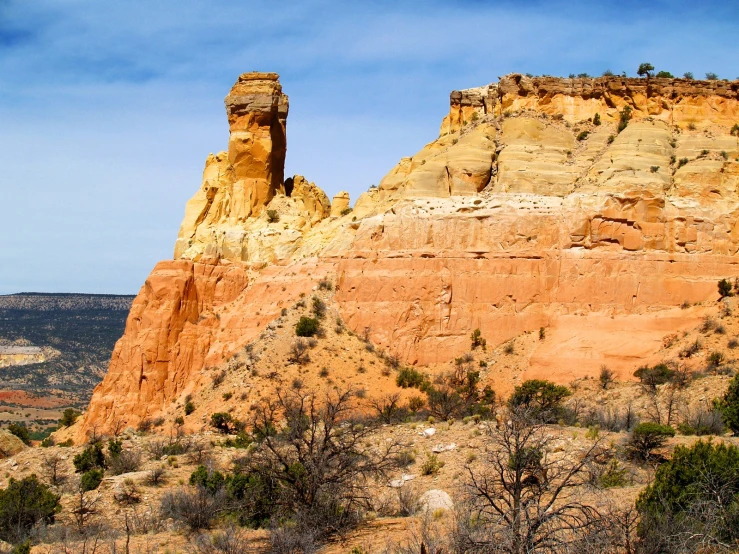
pixel 76 331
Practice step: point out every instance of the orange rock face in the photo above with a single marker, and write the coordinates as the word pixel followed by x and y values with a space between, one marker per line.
pixel 522 215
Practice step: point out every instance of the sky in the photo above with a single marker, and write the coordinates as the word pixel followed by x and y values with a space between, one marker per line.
pixel 108 110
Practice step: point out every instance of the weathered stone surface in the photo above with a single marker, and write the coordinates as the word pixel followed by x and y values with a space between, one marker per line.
pixel 10 445
pixel 339 204
pixel 525 216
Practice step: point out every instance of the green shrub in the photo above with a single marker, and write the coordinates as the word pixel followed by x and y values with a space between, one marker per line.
pixel 91 457
pixel 21 431
pixel 624 118
pixel 273 216
pixel 725 288
pixel 688 75
pixel 611 138
pixel 307 327
pixel 665 75
pixel 647 437
pixel 90 480
pixel 410 378
pixel 583 135
pixel 24 504
pixel 543 399
pixel 319 307
pixel 225 423
pixel 477 340
pixel 694 499
pixel 711 76
pixel 189 407
pixel 654 168
pixel 651 377
pixel 728 405
pixel 69 416
pixel 431 465
pixel 596 119
pixel 613 476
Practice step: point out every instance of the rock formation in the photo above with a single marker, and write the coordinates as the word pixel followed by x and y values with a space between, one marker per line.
pixel 527 212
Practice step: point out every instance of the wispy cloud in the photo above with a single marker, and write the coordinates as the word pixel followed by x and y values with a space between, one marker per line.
pixel 108 109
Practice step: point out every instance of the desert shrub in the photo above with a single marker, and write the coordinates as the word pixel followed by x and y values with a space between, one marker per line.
pixel 307 326
pixel 416 403
pixel 91 457
pixel 611 138
pixel 431 465
pixel 299 352
pixel 21 431
pixel 225 423
pixel 273 216
pixel 125 462
pixel 625 116
pixel 321 484
pixel 688 75
pixel 325 284
pixel 542 399
pixel 725 288
pixel 646 438
pixel 651 377
pixel 693 503
pixel 69 416
pixel 409 377
pixel 711 76
pixel 733 343
pixel 654 168
pixel 583 135
pixel 24 504
pixel 702 422
pixel 614 475
pixel 477 341
pixel 156 476
pixel 681 162
pixel 218 378
pixel 596 119
pixel 728 405
pixel 189 407
pixel 612 419
pixel 405 457
pixel 665 75
pixel 196 508
pixel 715 359
pixel 90 480
pixel 318 307
pixel 458 394
pixel 606 376
pixel 692 349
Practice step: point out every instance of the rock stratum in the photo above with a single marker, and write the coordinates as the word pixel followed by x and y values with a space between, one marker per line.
pixel 523 214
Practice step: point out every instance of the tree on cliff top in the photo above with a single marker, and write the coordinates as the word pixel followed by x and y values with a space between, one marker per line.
pixel 645 69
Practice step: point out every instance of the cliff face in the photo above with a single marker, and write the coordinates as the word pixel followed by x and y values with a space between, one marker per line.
pixel 524 213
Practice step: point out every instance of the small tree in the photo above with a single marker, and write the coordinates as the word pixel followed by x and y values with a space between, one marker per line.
pixel 606 376
pixel 318 455
pixel 693 503
pixel 307 326
pixel 225 423
pixel 625 117
pixel 711 76
pixel 477 340
pixel 728 405
pixel 646 438
pixel 21 431
pixel 542 399
pixel 91 457
pixel 665 75
pixel 69 416
pixel 24 504
pixel 688 75
pixel 725 288
pixel 523 500
pixel 646 69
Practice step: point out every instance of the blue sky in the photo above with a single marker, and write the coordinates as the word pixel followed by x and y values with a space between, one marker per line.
pixel 109 109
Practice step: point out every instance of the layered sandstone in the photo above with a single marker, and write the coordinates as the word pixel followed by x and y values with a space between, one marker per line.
pixel 523 214
pixel 677 101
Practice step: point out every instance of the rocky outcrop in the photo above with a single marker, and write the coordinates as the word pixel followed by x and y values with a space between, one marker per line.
pixel 525 212
pixel 677 101
pixel 10 445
